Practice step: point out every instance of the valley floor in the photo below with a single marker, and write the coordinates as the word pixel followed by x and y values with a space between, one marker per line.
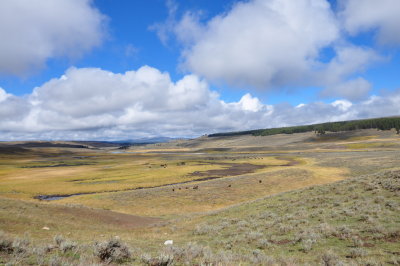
pixel 276 200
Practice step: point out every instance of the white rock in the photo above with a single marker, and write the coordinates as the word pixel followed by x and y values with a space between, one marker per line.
pixel 45 228
pixel 168 242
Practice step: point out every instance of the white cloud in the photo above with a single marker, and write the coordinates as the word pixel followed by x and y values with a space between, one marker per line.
pixel 249 103
pixel 12 110
pixel 365 15
pixel 3 95
pixel 343 105
pixel 271 45
pixel 336 76
pixel 354 89
pixel 262 43
pixel 35 30
pixel 349 59
pixel 91 103
pixel 163 29
pixel 188 29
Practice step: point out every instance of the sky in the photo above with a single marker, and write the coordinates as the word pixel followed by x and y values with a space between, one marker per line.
pixel 130 69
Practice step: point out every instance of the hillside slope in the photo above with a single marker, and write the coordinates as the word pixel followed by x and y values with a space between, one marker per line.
pixel 351 222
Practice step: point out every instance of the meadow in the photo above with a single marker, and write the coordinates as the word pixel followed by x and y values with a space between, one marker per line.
pixel 303 198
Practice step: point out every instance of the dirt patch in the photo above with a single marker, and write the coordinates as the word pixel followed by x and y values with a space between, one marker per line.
pixel 109 217
pixel 232 169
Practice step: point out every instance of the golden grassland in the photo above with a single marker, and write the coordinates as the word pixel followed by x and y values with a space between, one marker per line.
pixel 215 194
pixel 239 182
pixel 371 145
pixel 121 172
pixel 354 221
pixel 105 173
pixel 114 177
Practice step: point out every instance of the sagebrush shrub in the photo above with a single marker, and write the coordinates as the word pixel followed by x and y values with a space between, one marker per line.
pixel 67 245
pixel 163 259
pixel 58 239
pixel 330 259
pixel 307 245
pixel 20 245
pixel 357 242
pixel 357 252
pixel 5 243
pixel 263 243
pixel 204 229
pixel 112 250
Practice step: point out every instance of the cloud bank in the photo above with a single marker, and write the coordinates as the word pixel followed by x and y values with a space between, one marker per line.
pixel 281 44
pixel 33 31
pixel 263 44
pixel 91 103
pixel 260 43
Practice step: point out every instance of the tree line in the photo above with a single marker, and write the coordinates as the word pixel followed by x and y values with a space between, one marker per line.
pixel 386 123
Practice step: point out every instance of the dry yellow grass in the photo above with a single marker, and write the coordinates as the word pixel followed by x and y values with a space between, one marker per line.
pixel 108 173
pixel 102 171
pixel 215 194
pixel 371 145
pixel 127 171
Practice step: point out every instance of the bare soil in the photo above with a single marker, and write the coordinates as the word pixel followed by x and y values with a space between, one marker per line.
pixel 109 217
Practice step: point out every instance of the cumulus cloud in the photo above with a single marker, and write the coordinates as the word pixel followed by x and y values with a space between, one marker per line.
pixel 336 76
pixel 273 45
pixel 262 43
pixel 349 59
pixel 35 30
pixel 249 103
pixel 91 103
pixel 354 89
pixel 383 16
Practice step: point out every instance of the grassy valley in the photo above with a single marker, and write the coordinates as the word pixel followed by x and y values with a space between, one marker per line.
pixel 283 199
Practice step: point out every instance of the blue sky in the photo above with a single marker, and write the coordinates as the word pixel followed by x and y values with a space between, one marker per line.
pixel 102 69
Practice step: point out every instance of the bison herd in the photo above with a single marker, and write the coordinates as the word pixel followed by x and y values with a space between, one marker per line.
pixel 197 187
